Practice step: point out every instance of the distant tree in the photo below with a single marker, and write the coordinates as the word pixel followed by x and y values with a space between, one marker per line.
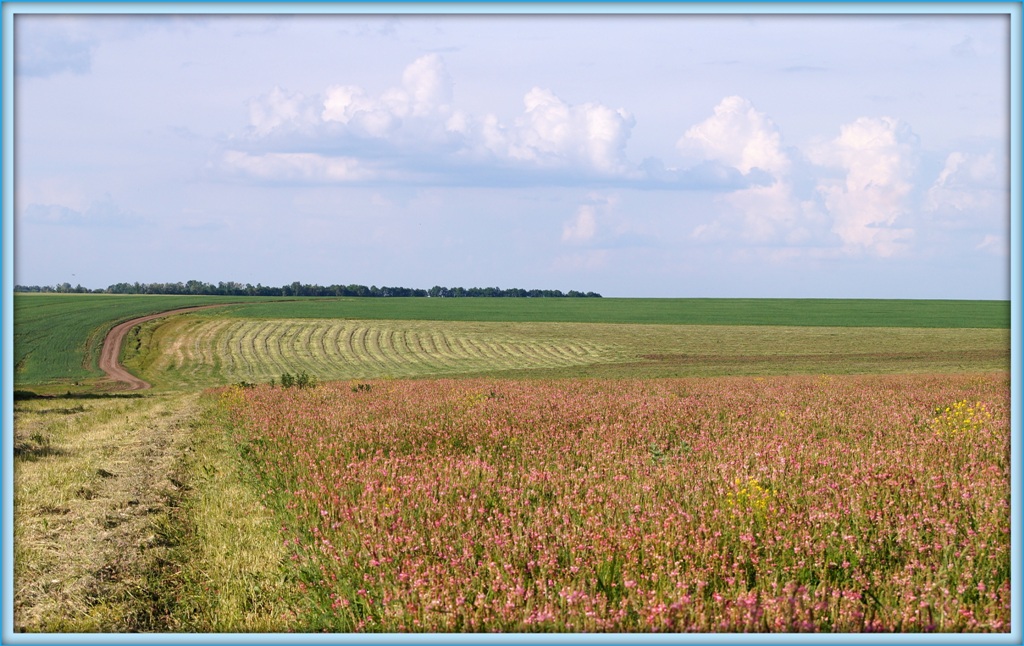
pixel 232 288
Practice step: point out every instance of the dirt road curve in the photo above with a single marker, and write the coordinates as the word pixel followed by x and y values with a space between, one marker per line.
pixel 111 354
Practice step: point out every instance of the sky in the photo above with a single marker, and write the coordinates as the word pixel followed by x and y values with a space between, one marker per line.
pixel 635 156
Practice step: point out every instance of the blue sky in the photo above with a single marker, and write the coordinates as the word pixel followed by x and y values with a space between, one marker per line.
pixel 669 155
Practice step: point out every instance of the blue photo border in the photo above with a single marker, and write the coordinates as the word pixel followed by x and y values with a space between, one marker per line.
pixel 12 8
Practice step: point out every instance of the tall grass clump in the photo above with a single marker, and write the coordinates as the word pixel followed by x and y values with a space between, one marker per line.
pixel 795 504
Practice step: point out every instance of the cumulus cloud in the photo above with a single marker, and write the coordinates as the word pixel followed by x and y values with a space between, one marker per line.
pixel 597 224
pixel 417 110
pixel 860 192
pixel 993 244
pixel 739 136
pixel 375 117
pixel 428 85
pixel 278 110
pixel 417 121
pixel 771 214
pixel 774 214
pixel 878 157
pixel 581 228
pixel 297 167
pixel 554 133
pixel 423 102
pixel 967 184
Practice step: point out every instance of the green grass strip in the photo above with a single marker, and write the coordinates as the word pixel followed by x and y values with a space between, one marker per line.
pixel 672 311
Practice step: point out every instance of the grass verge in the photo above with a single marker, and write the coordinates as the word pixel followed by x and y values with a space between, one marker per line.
pixel 225 569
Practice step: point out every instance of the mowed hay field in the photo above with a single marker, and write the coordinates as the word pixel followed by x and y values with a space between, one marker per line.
pixel 509 473
pixel 211 350
pixel 203 349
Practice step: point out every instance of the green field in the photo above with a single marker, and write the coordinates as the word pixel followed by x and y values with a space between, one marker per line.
pixel 668 311
pixel 57 337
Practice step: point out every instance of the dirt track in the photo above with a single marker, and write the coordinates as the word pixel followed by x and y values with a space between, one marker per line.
pixel 111 353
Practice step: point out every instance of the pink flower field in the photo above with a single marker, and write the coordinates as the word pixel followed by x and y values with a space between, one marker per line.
pixel 840 504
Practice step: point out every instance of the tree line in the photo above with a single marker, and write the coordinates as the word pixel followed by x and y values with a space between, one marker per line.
pixel 231 288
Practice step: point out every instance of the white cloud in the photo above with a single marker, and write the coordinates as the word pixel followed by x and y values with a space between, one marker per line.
pixel 280 110
pixel 422 102
pixel 878 156
pixel 554 133
pixel 419 116
pixel 583 227
pixel 869 208
pixel 762 215
pixel 349 105
pixel 343 102
pixel 739 136
pixel 993 244
pixel 428 85
pixel 297 167
pixel 968 183
pixel 772 213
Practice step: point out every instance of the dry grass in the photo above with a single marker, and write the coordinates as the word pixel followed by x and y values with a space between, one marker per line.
pixel 94 480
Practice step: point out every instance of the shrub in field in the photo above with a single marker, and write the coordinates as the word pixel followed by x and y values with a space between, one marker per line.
pixel 300 380
pixel 668 505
